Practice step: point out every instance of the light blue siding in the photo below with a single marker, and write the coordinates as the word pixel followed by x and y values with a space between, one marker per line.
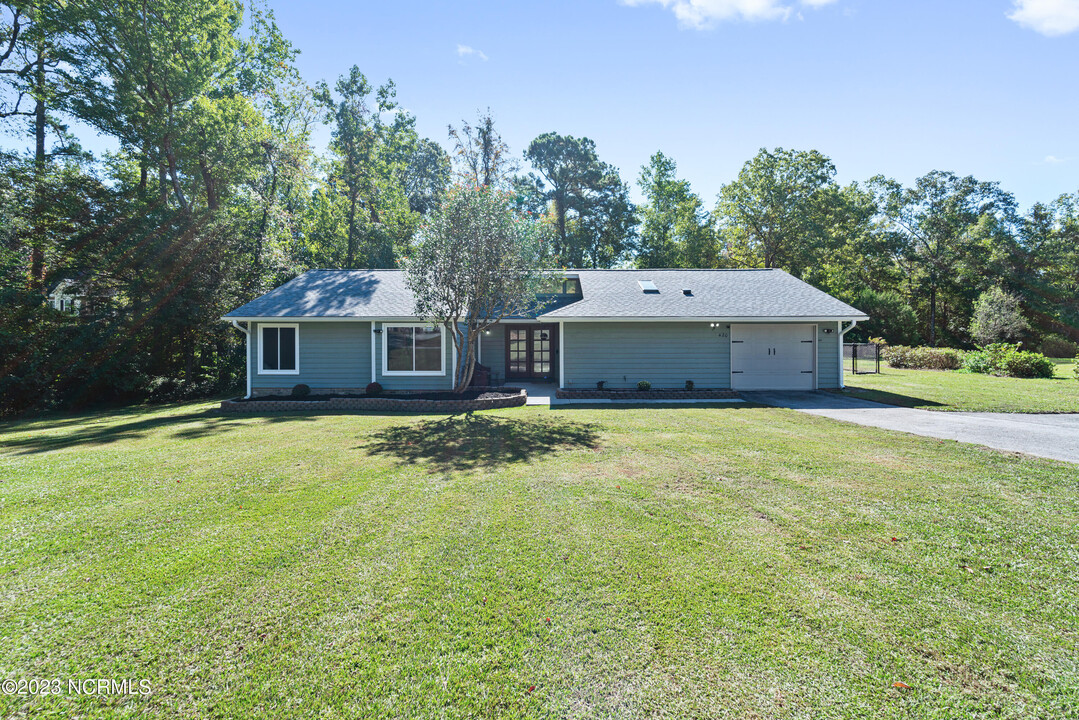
pixel 493 350
pixel 664 353
pixel 828 367
pixel 417 382
pixel 333 355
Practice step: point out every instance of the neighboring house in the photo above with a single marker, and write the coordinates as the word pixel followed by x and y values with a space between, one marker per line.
pixel 338 330
pixel 63 296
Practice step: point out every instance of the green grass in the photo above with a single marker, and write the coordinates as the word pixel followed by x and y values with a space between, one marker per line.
pixel 956 390
pixel 730 561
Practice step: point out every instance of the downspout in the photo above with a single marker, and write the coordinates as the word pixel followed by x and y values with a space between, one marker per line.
pixel 843 334
pixel 247 354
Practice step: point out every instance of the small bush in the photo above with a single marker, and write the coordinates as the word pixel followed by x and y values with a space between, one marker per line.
pixel 922 358
pixel 373 388
pixel 1023 364
pixel 301 390
pixel 1075 368
pixel 1057 346
pixel 689 384
pixel 644 386
pixel 977 361
pixel 600 384
pixel 1008 360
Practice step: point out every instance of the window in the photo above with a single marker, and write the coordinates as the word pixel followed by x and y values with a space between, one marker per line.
pixel 279 351
pixel 414 349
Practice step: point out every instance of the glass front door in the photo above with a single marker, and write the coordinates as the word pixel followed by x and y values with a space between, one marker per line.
pixel 531 351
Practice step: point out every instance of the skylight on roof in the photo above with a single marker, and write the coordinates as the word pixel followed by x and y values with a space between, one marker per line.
pixel 648 286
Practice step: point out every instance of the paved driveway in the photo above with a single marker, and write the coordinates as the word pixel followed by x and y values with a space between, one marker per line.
pixel 1051 436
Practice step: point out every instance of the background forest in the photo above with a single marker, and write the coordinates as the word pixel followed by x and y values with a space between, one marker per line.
pixel 217 195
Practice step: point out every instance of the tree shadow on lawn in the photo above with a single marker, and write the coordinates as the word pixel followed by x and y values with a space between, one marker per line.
pixel 104 434
pixel 470 441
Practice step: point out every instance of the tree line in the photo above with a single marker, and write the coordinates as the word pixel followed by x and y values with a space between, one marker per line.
pixel 215 195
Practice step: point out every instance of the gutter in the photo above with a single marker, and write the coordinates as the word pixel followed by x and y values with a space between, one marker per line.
pixel 843 334
pixel 247 354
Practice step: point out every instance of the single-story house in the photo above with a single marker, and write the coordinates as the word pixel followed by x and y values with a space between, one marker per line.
pixel 338 330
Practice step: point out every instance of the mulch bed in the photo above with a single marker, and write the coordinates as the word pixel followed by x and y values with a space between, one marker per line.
pixel 654 394
pixel 415 402
pixel 442 395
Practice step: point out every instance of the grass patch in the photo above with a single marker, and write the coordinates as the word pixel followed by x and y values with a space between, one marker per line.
pixel 956 390
pixel 576 562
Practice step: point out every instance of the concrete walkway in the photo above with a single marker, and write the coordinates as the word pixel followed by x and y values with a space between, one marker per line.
pixel 1045 435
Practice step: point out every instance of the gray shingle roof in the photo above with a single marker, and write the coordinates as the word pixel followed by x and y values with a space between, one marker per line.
pixel 614 294
pixel 715 294
pixel 335 293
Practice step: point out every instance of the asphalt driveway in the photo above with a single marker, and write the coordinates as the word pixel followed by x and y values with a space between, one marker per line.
pixel 1045 435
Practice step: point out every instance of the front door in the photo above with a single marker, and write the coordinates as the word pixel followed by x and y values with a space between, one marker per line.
pixel 532 352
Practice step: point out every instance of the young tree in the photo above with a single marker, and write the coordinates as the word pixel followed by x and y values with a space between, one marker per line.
pixel 592 212
pixel 997 317
pixel 475 262
pixel 675 228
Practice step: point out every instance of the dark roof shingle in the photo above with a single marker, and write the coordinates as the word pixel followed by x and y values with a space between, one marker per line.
pixel 608 294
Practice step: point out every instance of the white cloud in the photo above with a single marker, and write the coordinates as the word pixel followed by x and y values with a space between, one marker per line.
pixel 1049 17
pixel 706 13
pixel 464 51
pixel 1053 160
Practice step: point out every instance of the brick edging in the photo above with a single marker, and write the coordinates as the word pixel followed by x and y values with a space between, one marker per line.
pixel 381 402
pixel 661 394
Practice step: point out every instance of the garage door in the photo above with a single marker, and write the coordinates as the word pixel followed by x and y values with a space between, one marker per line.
pixel 773 357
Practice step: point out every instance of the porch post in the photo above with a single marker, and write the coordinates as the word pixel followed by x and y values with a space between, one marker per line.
pixel 561 355
pixel 373 338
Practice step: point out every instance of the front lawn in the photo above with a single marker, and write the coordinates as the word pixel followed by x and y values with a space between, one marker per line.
pixel 956 390
pixel 697 562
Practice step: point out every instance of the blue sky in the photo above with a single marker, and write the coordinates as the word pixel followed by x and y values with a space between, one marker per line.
pixel 981 87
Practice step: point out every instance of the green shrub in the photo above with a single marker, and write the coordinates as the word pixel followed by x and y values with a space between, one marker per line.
pixel 644 385
pixel 977 361
pixel 1023 364
pixel 1058 346
pixel 689 385
pixel 600 384
pixel 1008 360
pixel 922 358
pixel 1075 368
pixel 301 390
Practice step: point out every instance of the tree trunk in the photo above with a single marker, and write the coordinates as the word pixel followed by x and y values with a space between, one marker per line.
pixel 933 315
pixel 38 232
pixel 351 255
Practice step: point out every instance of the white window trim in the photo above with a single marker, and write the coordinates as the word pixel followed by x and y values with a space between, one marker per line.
pixel 294 326
pixel 386 327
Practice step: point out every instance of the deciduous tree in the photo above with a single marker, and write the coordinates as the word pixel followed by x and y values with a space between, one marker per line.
pixel 475 262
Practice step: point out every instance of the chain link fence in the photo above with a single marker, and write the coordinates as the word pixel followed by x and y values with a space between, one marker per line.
pixel 864 357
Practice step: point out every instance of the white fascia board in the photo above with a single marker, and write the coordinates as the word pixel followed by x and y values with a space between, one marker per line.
pixel 775 319
pixel 323 318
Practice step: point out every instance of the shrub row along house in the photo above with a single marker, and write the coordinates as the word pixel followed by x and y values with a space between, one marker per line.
pixel 338 330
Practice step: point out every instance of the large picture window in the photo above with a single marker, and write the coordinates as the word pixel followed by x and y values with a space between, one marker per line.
pixel 414 350
pixel 279 351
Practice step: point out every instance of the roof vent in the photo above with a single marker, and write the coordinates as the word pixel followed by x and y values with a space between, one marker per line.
pixel 648 286
pixel 687 292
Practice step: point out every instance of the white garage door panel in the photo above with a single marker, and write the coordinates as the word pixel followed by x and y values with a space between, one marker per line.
pixel 773 357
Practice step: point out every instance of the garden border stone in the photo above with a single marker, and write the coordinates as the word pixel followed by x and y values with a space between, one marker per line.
pixel 392 402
